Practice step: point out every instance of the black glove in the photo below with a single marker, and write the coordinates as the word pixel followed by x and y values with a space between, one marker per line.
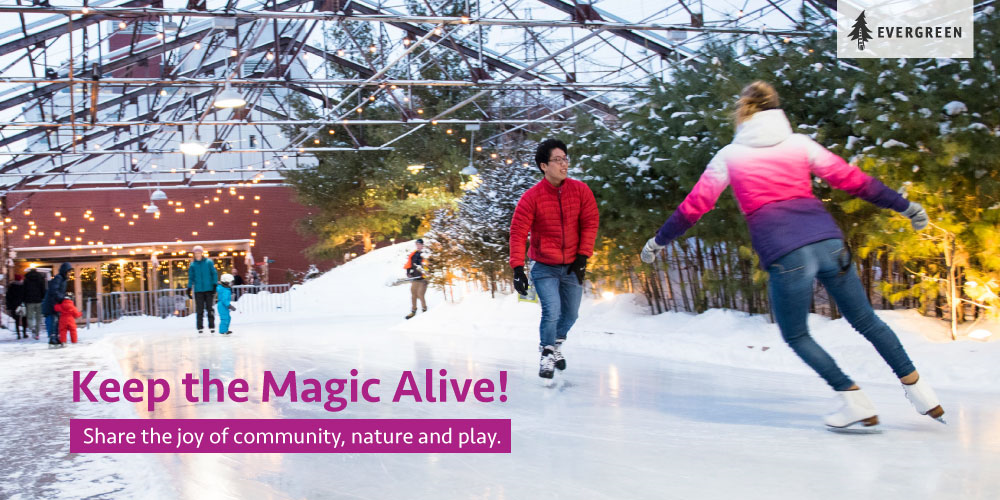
pixel 232 307
pixel 189 292
pixel 578 267
pixel 520 280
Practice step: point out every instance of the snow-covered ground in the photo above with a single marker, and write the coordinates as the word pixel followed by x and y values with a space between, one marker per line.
pixel 668 406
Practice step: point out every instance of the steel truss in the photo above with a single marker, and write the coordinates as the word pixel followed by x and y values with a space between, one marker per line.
pixel 182 98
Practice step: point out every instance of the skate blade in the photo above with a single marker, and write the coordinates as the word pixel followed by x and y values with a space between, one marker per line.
pixel 855 430
pixel 866 426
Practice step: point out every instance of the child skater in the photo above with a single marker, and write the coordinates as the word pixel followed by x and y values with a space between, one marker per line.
pixel 224 292
pixel 67 318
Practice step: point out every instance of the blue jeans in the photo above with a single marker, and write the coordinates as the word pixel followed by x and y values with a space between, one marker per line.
pixel 791 290
pixel 559 292
pixel 52 327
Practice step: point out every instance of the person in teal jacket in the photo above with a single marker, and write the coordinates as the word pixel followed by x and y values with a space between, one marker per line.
pixel 224 292
pixel 202 278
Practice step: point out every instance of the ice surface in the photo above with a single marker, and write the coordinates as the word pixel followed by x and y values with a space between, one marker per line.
pixel 650 407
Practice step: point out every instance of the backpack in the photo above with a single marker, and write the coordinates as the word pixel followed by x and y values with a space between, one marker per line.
pixel 411 270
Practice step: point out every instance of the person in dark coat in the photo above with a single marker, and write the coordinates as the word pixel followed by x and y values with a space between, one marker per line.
pixel 14 298
pixel 55 292
pixel 237 279
pixel 202 278
pixel 34 293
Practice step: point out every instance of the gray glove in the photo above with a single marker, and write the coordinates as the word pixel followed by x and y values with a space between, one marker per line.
pixel 648 254
pixel 917 215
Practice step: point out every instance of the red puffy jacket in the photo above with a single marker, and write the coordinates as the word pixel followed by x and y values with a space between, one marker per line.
pixel 562 222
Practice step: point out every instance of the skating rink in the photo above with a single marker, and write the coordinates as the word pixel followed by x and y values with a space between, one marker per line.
pixel 674 406
pixel 612 426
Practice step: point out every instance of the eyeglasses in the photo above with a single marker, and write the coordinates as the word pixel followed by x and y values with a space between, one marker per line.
pixel 559 159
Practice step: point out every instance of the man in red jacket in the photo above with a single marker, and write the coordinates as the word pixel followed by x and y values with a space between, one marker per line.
pixel 561 215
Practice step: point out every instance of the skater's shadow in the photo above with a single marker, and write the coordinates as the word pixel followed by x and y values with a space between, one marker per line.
pixel 729 410
pixel 719 399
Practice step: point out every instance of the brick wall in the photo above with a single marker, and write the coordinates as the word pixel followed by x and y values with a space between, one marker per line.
pixel 273 209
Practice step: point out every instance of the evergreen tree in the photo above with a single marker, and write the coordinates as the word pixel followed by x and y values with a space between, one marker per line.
pixel 474 238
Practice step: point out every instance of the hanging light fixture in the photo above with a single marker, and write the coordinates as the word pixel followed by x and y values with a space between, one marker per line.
pixel 470 170
pixel 152 208
pixel 158 195
pixel 193 147
pixel 229 98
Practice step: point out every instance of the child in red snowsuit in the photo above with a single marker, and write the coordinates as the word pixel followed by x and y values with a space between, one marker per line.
pixel 67 318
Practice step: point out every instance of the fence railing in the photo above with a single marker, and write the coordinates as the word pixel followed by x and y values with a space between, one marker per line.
pixel 175 302
pixel 262 298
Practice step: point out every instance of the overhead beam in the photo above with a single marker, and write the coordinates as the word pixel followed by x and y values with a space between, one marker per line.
pixel 359 13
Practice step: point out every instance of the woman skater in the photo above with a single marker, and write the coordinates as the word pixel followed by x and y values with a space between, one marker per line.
pixel 771 169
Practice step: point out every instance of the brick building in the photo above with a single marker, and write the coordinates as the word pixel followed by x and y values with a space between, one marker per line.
pixel 110 231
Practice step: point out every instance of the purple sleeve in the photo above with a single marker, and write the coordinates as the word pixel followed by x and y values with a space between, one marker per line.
pixel 846 177
pixel 882 196
pixel 675 226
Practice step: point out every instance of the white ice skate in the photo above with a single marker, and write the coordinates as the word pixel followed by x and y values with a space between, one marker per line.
pixel 924 400
pixel 558 358
pixel 856 416
pixel 547 365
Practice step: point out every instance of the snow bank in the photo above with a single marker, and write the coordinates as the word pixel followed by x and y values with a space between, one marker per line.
pixel 728 338
pixel 623 324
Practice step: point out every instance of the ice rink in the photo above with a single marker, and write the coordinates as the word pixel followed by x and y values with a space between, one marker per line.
pixel 614 425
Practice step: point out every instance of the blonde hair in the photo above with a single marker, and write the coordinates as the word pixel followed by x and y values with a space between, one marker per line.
pixel 758 96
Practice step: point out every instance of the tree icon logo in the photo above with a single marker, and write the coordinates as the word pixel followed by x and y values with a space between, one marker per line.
pixel 861 33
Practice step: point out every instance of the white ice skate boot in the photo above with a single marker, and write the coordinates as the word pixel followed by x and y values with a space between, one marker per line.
pixel 557 356
pixel 857 415
pixel 547 365
pixel 924 400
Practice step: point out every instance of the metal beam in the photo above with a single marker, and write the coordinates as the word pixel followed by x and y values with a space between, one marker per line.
pixel 382 18
pixel 349 122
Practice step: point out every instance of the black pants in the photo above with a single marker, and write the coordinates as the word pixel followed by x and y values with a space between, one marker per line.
pixel 203 302
pixel 20 323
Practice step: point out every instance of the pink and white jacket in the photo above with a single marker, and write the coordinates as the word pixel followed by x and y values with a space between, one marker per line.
pixel 771 169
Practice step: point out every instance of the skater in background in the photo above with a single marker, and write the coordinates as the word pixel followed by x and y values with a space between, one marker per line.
pixel 67 318
pixel 14 300
pixel 237 279
pixel 255 281
pixel 224 292
pixel 561 216
pixel 418 283
pixel 34 293
pixel 771 169
pixel 55 291
pixel 202 278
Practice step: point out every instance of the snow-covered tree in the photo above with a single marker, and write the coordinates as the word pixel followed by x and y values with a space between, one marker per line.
pixel 474 237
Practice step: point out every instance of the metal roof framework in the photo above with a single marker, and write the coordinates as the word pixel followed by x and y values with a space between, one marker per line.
pixel 556 74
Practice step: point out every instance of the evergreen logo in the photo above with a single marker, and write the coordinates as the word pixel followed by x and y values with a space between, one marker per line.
pixel 905 28
pixel 860 33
